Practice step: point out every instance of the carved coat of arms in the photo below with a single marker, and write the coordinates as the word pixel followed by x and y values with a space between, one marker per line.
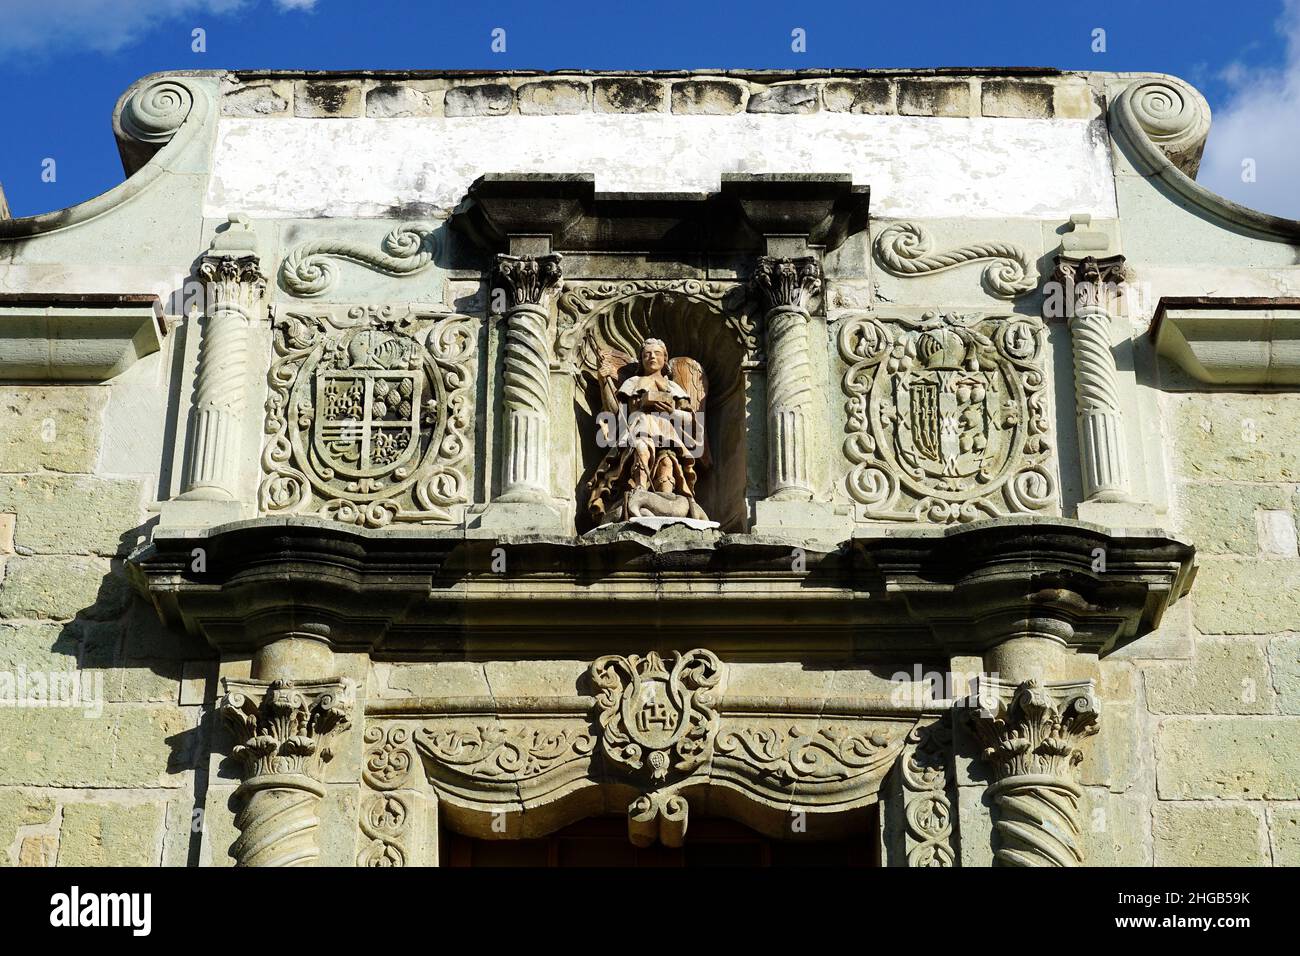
pixel 657 715
pixel 368 416
pixel 946 417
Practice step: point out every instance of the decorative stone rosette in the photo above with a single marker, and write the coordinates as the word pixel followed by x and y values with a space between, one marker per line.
pixel 369 415
pixel 947 417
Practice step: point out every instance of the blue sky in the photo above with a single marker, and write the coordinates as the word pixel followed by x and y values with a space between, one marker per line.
pixel 63 63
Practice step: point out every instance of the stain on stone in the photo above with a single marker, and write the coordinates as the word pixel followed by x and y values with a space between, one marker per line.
pixel 629 95
pixel 328 97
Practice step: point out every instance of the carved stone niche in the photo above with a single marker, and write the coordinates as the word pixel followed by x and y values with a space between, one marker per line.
pixel 707 322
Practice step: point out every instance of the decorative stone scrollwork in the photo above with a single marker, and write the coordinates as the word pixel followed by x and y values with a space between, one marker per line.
pixel 385 814
pixel 657 717
pixel 836 752
pixel 904 250
pixel 658 816
pixel 495 752
pixel 154 113
pixel 307 272
pixel 582 304
pixel 1103 456
pixel 368 416
pixel 1033 734
pixel 1173 116
pixel 285 730
pixel 927 809
pixel 384 818
pixel 947 417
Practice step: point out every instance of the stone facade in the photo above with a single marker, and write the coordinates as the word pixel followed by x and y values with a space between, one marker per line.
pixel 331 523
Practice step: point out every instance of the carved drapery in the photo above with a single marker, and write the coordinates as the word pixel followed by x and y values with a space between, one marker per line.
pixel 233 287
pixel 530 283
pixel 1032 733
pixel 1089 286
pixel 369 415
pixel 787 286
pixel 284 730
pixel 947 417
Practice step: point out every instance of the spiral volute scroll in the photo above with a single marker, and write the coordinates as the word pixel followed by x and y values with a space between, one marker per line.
pixel 1173 116
pixel 904 249
pixel 155 112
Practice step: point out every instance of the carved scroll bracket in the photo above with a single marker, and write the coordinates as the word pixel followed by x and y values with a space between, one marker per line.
pixel 904 249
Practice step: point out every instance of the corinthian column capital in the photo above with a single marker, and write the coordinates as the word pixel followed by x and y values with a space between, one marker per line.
pixel 1086 280
pixel 530 280
pixel 285 731
pixel 787 283
pixel 1032 734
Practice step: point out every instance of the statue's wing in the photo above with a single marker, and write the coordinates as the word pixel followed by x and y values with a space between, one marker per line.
pixel 609 373
pixel 689 374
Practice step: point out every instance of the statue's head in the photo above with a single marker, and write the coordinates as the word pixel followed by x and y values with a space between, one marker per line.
pixel 654 355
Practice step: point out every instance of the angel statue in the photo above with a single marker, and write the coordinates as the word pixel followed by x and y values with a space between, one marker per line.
pixel 652 428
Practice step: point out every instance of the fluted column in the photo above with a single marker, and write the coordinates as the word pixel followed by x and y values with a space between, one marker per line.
pixel 1102 454
pixel 285 729
pixel 786 286
pixel 1032 734
pixel 530 282
pixel 233 285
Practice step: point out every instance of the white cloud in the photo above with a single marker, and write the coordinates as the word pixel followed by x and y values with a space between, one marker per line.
pixel 104 26
pixel 1260 122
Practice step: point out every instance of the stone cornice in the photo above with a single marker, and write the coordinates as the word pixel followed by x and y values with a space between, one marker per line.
pixel 416 591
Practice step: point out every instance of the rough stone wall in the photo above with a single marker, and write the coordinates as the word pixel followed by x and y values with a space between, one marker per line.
pixel 107 777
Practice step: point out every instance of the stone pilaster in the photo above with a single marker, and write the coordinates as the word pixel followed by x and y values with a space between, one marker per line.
pixel 530 282
pixel 1032 734
pixel 233 287
pixel 285 730
pixel 786 286
pixel 1102 454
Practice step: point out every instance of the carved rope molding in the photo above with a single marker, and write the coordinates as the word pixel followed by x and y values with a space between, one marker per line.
pixel 1033 734
pixel 234 286
pixel 368 416
pixel 787 285
pixel 904 250
pixel 1103 455
pixel 285 730
pixel 530 283
pixel 947 417
pixel 307 271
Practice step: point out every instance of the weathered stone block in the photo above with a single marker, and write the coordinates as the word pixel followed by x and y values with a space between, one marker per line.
pixel 1016 98
pixel 482 99
pixel 111 834
pixel 934 98
pixel 393 100
pixel 628 94
pixel 259 99
pixel 1276 532
pixel 1238 758
pixel 711 97
pixel 785 98
pixel 38 647
pixel 1116 828
pixel 1241 596
pixel 1073 101
pixel 553 97
pixel 859 96
pixel 67 514
pixel 1284 662
pixel 339 99
pixel 51 427
pixel 158 682
pixel 1237 437
pixel 52 587
pixel 1284 835
pixel 18 809
pixel 1207 835
pixel 148 639
pixel 125 746
pixel 1226 676
pixel 1220 518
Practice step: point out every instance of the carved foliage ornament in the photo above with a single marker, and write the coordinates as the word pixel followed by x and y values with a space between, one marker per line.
pixel 368 416
pixel 947 417
pixel 658 716
pixel 285 727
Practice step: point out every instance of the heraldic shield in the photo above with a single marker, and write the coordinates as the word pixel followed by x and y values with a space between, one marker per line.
pixel 656 717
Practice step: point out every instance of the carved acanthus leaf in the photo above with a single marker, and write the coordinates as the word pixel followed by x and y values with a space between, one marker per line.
pixel 286 727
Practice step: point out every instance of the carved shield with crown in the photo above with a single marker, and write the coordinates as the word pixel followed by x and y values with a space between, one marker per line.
pixel 658 716
pixel 947 417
